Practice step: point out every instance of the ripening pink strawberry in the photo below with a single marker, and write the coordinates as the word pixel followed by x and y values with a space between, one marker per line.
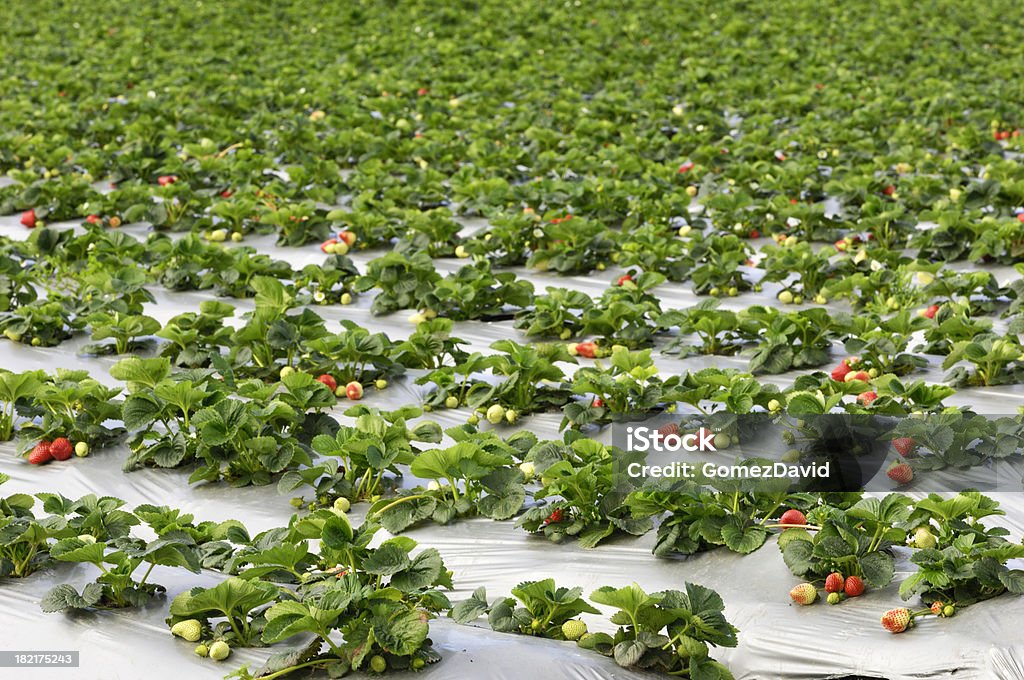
pixel 865 398
pixel 165 180
pixel 685 167
pixel 901 473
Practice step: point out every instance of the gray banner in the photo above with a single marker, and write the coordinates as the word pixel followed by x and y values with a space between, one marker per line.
pixel 38 659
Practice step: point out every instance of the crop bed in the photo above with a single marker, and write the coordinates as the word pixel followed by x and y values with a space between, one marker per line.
pixel 321 323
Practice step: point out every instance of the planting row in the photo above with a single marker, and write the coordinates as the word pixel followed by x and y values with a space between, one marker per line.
pixel 379 599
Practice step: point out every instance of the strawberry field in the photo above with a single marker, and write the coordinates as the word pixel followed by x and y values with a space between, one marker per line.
pixel 329 330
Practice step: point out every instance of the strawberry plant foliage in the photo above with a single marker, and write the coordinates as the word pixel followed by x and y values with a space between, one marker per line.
pixel 670 631
pixel 541 610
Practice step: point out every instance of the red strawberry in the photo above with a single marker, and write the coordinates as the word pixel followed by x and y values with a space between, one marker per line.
pixel 421 92
pixel 834 583
pixel 1020 217
pixel 804 594
pixel 555 517
pixel 61 449
pixel 901 473
pixel 889 190
pixel 598 403
pixel 897 620
pixel 587 349
pixel 686 167
pixel 329 381
pixel 164 180
pixel 227 193
pixel 93 219
pixel 40 454
pixel 865 398
pixel 793 517
pixel 670 428
pixel 904 445
pixel 623 279
pixel 930 312
pixel 28 218
pixel 840 372
pixel 755 234
pixel 854 586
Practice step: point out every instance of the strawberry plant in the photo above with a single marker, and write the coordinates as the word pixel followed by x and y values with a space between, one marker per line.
pixel 882 344
pixel 403 281
pixel 24 539
pixel 854 542
pixel 431 345
pixel 630 385
pixel 377 444
pixel 241 603
pixel 475 476
pixel 718 331
pixel 557 314
pixel 963 561
pixel 735 514
pixel 625 313
pixel 669 631
pixel 542 609
pixel 996 360
pixel 116 586
pixel 792 340
pixel 71 404
pixel 587 500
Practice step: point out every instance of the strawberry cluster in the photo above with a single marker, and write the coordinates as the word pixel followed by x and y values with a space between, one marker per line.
pixel 59 449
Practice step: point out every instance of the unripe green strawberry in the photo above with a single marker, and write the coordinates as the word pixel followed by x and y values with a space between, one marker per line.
pixel 495 414
pixel 451 402
pixel 380 383
pixel 81 449
pixel 511 416
pixel 378 664
pixel 87 538
pixel 219 650
pixel 573 629
pixel 296 502
pixel 190 630
pixel 202 650
pixel 834 598
pixel 342 504
pixel 527 469
pixel 897 620
pixel 417 663
pixel 948 610
pixel 925 539
pixel 804 594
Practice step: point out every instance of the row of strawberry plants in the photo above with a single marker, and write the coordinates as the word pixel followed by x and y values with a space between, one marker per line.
pixel 380 599
pixel 110 300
